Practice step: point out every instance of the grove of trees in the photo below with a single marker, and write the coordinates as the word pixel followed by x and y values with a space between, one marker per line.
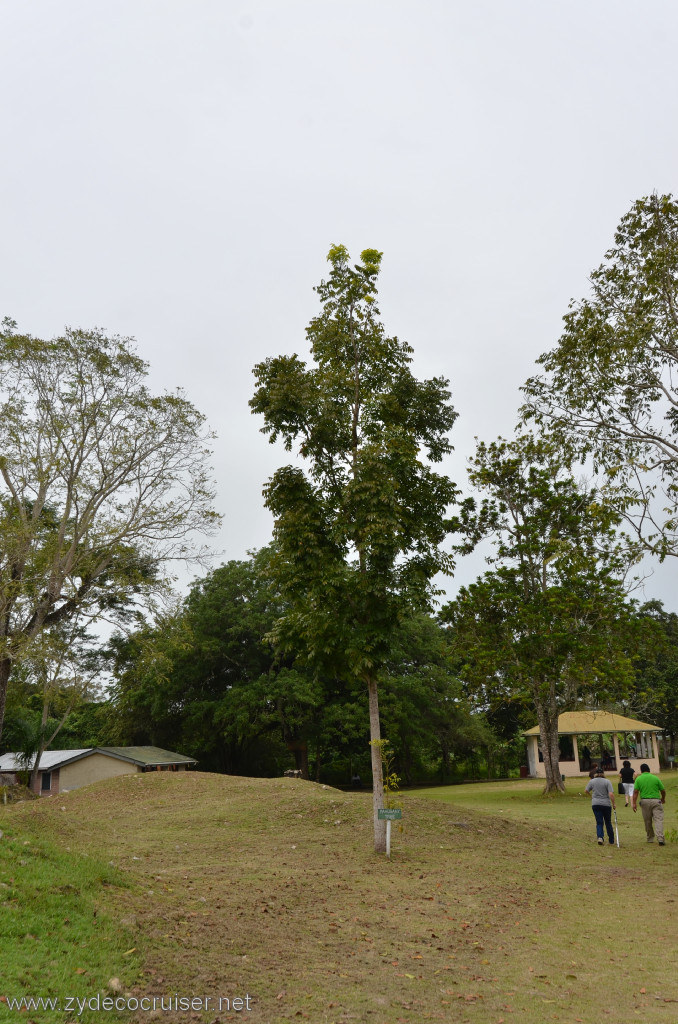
pixel 315 648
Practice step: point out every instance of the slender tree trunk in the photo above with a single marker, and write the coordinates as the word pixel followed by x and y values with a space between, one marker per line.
pixel 377 769
pixel 42 743
pixel 406 760
pixel 548 734
pixel 5 670
pixel 445 767
pixel 33 780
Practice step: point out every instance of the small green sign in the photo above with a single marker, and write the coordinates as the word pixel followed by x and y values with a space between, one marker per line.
pixel 389 813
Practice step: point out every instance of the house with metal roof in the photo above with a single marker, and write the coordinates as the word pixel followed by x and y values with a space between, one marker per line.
pixel 596 737
pixel 63 770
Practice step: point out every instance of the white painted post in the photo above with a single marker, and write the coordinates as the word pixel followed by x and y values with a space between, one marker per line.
pixel 388 837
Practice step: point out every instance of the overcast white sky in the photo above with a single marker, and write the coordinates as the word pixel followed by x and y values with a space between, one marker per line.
pixel 177 170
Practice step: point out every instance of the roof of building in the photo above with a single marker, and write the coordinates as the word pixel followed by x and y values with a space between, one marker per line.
pixel 580 722
pixel 147 757
pixel 144 757
pixel 50 759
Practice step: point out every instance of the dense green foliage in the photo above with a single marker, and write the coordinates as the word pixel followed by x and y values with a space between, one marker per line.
pixel 654 697
pixel 207 682
pixel 550 619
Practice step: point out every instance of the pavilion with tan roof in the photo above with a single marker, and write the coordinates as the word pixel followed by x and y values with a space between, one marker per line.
pixel 600 737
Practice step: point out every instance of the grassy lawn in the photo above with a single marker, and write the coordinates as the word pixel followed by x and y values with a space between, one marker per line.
pixel 521 800
pixel 57 942
pixel 497 905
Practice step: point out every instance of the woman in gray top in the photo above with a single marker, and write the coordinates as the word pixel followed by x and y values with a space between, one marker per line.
pixel 602 801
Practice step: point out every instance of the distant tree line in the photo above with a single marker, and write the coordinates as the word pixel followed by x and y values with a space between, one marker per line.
pixel 206 680
pixel 209 680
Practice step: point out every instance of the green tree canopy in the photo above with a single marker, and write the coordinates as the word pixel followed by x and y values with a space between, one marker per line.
pixel 100 483
pixel 359 531
pixel 654 697
pixel 610 386
pixel 551 618
pixel 205 680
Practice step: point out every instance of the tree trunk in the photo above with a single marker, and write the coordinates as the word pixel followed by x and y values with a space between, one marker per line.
pixel 548 735
pixel 406 761
pixel 33 780
pixel 445 767
pixel 5 670
pixel 43 743
pixel 377 770
pixel 300 750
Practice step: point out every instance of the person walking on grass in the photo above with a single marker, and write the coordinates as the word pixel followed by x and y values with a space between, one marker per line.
pixel 602 801
pixel 652 795
pixel 626 776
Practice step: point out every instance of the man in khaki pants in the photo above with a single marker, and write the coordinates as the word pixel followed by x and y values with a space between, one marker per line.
pixel 652 798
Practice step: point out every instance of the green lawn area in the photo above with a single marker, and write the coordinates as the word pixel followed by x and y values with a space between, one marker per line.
pixel 496 906
pixel 522 800
pixel 57 939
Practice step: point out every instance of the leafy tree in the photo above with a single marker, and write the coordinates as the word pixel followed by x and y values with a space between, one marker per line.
pixel 100 483
pixel 425 712
pixel 359 534
pixel 654 697
pixel 551 617
pixel 203 678
pixel 610 386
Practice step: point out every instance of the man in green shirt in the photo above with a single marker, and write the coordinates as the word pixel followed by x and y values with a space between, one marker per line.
pixel 652 798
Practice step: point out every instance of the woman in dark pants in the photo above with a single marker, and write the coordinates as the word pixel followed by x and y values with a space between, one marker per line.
pixel 602 801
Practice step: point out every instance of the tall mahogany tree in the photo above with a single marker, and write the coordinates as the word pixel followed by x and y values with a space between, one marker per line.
pixel 359 526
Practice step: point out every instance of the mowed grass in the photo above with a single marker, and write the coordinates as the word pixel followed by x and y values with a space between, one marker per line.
pixel 496 906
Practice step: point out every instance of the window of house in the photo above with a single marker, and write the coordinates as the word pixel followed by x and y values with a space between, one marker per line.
pixel 46 783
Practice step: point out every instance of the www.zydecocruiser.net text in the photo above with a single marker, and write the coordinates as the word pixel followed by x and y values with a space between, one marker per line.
pixel 78 1004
